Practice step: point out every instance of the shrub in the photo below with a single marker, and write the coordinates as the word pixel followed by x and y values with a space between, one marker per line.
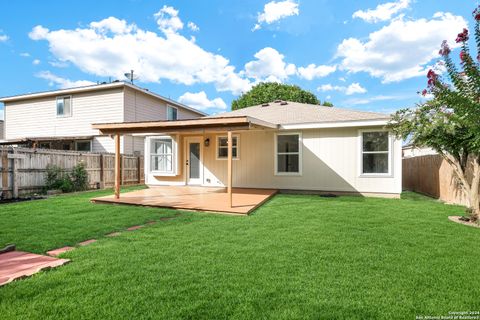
pixel 54 177
pixel 79 177
pixel 77 180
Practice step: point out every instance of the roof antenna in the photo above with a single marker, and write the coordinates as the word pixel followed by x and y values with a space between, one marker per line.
pixel 131 76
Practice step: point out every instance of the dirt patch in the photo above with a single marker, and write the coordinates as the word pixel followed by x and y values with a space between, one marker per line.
pixel 457 219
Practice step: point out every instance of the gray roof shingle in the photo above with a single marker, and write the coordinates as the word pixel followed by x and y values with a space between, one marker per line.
pixel 296 113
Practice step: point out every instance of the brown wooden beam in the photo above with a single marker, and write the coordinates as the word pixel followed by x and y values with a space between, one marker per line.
pixel 230 167
pixel 117 166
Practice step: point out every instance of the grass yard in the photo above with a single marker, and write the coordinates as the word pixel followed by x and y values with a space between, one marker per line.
pixel 297 257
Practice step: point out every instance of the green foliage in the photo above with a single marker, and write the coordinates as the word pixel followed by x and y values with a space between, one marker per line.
pixel 54 177
pixel 450 121
pixel 327 104
pixel 57 179
pixel 266 92
pixel 79 177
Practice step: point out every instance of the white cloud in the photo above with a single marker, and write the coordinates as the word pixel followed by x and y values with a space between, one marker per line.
pixel 274 11
pixel 36 62
pixel 25 54
pixel 363 101
pixel 3 37
pixel 192 26
pixel 113 25
pixel 269 66
pixel 382 12
pixel 200 101
pixel 400 50
pixel 168 20
pixel 152 56
pixel 62 83
pixel 353 88
pixel 312 71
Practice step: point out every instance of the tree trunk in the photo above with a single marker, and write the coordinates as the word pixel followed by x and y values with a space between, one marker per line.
pixel 474 189
pixel 471 189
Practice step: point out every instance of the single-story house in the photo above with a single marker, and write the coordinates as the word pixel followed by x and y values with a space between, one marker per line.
pixel 280 145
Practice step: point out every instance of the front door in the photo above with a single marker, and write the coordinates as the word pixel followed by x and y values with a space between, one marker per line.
pixel 194 160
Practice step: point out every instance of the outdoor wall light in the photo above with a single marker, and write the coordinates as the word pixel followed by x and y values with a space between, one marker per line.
pixel 207 142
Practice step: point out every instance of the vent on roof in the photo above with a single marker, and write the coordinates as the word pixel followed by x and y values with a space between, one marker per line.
pixel 265 104
pixel 283 103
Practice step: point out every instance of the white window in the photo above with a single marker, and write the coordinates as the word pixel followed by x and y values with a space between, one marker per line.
pixel 162 155
pixel 83 145
pixel 375 153
pixel 171 113
pixel 222 147
pixel 64 106
pixel 288 154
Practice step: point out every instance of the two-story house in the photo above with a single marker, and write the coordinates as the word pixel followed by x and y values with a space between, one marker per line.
pixel 62 119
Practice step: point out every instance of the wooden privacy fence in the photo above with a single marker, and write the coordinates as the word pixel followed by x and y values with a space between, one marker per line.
pixel 23 170
pixel 433 176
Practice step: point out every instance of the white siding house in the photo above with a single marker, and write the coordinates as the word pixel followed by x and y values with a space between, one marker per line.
pixel 63 119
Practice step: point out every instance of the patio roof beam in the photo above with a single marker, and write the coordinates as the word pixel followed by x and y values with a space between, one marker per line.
pixel 220 123
pixel 117 166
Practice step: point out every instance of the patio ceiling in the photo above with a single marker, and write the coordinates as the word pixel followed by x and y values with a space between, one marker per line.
pixel 201 124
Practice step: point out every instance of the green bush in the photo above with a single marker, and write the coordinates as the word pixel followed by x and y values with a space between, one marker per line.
pixel 79 177
pixel 77 180
pixel 54 177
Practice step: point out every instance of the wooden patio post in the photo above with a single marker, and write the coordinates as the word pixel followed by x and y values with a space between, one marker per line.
pixel 230 167
pixel 117 166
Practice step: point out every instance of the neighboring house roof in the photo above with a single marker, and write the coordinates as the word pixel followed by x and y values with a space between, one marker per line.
pixel 288 113
pixel 96 87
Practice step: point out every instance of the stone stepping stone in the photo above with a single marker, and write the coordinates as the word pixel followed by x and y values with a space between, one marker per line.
pixel 134 228
pixel 87 242
pixel 18 264
pixel 59 251
pixel 113 234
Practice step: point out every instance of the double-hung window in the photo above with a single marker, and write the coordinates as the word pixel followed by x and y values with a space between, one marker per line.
pixel 172 113
pixel 288 154
pixel 375 153
pixel 222 147
pixel 162 155
pixel 64 106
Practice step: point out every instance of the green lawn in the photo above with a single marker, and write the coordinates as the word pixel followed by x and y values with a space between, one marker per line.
pixel 296 257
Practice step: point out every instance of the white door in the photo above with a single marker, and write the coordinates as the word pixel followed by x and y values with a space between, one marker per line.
pixel 194 166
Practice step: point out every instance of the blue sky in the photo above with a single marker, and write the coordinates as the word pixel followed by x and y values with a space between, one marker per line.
pixel 369 55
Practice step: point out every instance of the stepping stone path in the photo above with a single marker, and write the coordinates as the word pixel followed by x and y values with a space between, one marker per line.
pixel 19 264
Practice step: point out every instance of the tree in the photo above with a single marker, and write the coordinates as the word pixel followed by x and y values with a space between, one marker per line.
pixel 450 121
pixel 266 92
pixel 327 104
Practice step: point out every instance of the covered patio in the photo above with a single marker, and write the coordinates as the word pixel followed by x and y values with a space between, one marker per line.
pixel 181 194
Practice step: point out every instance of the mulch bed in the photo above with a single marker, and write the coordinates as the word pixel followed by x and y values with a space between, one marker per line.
pixel 467 223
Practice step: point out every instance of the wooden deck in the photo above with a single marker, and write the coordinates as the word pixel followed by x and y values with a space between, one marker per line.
pixel 194 198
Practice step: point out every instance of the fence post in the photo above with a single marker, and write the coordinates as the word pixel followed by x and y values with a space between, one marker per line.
pixel 139 169
pixel 5 188
pixel 122 167
pixel 102 172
